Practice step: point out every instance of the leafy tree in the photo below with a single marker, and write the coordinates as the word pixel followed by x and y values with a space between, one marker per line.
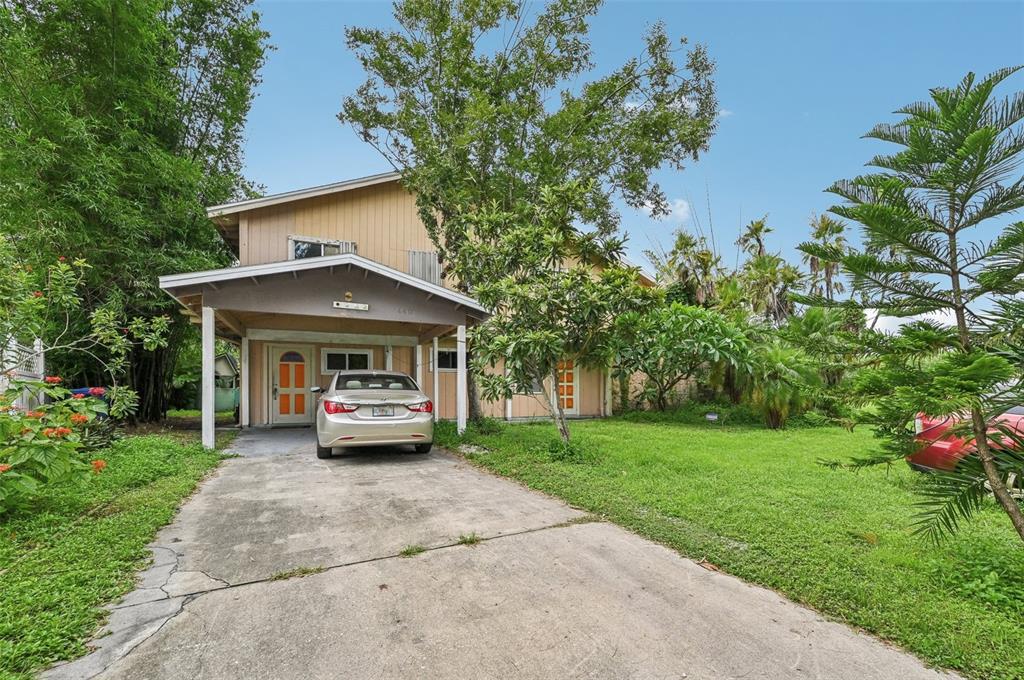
pixel 673 343
pixel 483 105
pixel 829 233
pixel 545 310
pixel 951 180
pixel 121 122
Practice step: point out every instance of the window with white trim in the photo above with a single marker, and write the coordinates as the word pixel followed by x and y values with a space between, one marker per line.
pixel 302 247
pixel 447 359
pixel 342 359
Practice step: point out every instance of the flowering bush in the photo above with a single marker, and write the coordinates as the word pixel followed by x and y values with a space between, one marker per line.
pixel 47 443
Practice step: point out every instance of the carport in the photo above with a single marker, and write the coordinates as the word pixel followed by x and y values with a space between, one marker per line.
pixel 297 321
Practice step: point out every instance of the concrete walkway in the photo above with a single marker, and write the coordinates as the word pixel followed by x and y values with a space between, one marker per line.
pixel 545 594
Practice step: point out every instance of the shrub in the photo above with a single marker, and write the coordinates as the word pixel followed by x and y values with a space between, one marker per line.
pixel 44 445
pixel 781 383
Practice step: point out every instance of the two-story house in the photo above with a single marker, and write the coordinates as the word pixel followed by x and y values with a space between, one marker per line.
pixel 344 276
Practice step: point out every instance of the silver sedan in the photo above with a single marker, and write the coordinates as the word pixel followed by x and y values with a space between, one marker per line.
pixel 373 408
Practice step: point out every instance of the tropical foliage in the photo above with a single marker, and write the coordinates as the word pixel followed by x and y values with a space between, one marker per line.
pixel 45 431
pixel 485 105
pixel 545 310
pixel 938 248
pixel 674 343
pixel 122 121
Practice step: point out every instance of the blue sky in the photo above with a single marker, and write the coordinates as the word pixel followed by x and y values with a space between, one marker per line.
pixel 798 82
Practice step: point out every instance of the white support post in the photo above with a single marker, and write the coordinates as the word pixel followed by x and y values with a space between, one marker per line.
pixel 461 381
pixel 243 397
pixel 389 358
pixel 417 362
pixel 209 358
pixel 437 382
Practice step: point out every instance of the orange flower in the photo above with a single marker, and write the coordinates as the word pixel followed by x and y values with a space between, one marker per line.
pixel 97 391
pixel 79 418
pixel 37 294
pixel 98 465
pixel 26 430
pixel 49 431
pixel 4 468
pixel 78 396
pixel 52 379
pixel 34 414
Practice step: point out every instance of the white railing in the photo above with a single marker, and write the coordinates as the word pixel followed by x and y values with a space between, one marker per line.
pixel 24 362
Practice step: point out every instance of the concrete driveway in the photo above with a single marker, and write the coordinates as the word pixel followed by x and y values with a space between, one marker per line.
pixel 545 594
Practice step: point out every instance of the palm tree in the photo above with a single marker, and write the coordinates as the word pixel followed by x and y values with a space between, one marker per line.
pixel 769 280
pixel 781 383
pixel 751 241
pixel 829 233
pixel 690 263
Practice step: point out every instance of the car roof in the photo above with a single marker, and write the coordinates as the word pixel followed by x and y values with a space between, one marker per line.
pixel 367 371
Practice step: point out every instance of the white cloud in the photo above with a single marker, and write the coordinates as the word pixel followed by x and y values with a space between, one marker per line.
pixel 725 113
pixel 891 324
pixel 679 211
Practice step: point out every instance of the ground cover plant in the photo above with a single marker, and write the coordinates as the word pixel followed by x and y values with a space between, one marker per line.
pixel 78 545
pixel 755 503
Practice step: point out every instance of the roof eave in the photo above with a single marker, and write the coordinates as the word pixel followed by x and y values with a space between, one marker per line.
pixel 174 281
pixel 225 210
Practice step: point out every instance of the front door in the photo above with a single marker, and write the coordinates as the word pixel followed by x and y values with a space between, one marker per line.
pixel 567 392
pixel 289 391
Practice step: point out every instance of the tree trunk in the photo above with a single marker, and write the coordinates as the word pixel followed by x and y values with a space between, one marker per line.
pixel 988 463
pixel 978 423
pixel 556 409
pixel 473 394
pixel 730 383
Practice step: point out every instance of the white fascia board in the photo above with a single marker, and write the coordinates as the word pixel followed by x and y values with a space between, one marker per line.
pixel 299 194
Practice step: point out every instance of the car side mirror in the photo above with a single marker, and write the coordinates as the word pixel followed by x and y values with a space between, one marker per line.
pixel 315 388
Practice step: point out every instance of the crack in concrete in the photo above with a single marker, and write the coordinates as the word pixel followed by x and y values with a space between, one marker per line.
pixel 113 654
pixel 369 560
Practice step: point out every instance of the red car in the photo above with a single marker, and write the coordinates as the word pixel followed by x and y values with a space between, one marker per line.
pixel 941 450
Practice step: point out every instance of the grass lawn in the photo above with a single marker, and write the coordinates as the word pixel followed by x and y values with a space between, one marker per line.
pixel 755 503
pixel 79 547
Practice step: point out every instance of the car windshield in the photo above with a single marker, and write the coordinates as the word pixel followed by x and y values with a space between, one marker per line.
pixel 369 381
pixel 1015 411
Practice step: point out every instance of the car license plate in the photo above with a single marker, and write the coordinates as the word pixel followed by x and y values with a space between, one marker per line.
pixel 383 411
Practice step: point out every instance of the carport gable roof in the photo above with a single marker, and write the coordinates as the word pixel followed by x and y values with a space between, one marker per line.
pixel 213 277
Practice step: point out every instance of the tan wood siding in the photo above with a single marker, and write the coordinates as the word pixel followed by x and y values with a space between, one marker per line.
pixel 381 219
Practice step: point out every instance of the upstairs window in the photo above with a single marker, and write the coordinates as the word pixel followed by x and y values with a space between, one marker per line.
pixel 425 265
pixel 301 247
